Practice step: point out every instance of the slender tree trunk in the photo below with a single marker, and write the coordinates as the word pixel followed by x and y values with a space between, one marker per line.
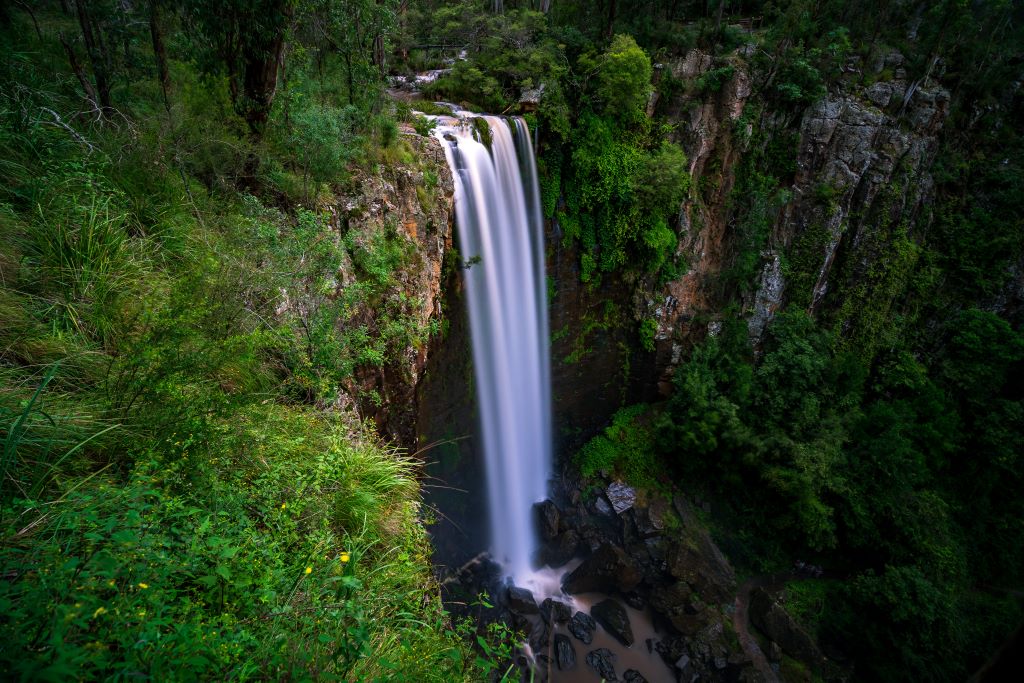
pixel 348 73
pixel 92 48
pixel 612 10
pixel 160 53
pixel 32 15
pixel 76 67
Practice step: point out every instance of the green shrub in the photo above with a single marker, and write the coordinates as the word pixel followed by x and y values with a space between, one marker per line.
pixel 625 449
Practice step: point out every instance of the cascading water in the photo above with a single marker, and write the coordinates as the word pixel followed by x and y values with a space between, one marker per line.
pixel 497 208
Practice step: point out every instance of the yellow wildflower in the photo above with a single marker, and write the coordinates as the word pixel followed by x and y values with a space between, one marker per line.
pixel 99 611
pixel 143 586
pixel 345 557
pixel 309 570
pixel 284 505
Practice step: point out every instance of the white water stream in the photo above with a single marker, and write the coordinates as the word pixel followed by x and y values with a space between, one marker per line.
pixel 501 237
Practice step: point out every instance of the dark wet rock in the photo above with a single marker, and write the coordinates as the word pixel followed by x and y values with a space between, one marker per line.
pixel 602 660
pixel 521 601
pixel 635 599
pixel 519 622
pixel 773 620
pixel 613 617
pixel 607 570
pixel 547 519
pixel 774 652
pixel 673 601
pixel 633 676
pixel 601 506
pixel 621 496
pixel 651 521
pixel 582 626
pixel 555 611
pixel 561 549
pixel 540 636
pixel 565 653
pixel 683 665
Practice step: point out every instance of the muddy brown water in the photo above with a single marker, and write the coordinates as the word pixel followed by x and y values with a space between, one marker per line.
pixel 637 657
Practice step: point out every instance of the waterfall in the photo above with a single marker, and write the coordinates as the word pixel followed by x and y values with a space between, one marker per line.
pixel 501 236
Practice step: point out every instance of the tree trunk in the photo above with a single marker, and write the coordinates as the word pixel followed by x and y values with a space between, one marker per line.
pixel 96 58
pixel 160 52
pixel 76 68
pixel 261 60
pixel 612 10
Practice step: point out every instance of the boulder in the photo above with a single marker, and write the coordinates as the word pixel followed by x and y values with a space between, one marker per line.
pixel 603 507
pixel 621 496
pixel 565 653
pixel 582 626
pixel 602 660
pixel 540 636
pixel 521 601
pixel 561 549
pixel 633 676
pixel 613 617
pixel 547 519
pixel 607 570
pixel 555 611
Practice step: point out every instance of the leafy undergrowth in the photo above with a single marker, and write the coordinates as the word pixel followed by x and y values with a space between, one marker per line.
pixel 280 548
pixel 182 493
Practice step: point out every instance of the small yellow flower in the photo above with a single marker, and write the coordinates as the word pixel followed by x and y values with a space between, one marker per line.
pixel 309 570
pixel 345 557
pixel 99 611
pixel 143 586
pixel 284 505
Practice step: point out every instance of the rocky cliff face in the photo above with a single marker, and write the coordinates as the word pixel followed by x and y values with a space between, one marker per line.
pixel 411 202
pixel 854 205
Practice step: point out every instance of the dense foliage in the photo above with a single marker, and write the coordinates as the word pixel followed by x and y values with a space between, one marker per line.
pixel 183 494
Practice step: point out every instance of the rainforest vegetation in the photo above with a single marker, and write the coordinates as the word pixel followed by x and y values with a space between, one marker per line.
pixel 187 489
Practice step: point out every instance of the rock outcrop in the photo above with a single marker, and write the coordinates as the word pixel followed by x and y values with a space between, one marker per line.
pixel 410 203
pixel 863 155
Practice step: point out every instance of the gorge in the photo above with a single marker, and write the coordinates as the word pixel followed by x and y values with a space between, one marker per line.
pixel 699 356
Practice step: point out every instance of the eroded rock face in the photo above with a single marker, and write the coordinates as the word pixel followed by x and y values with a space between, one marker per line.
pixel 412 203
pixel 854 147
pixel 850 148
